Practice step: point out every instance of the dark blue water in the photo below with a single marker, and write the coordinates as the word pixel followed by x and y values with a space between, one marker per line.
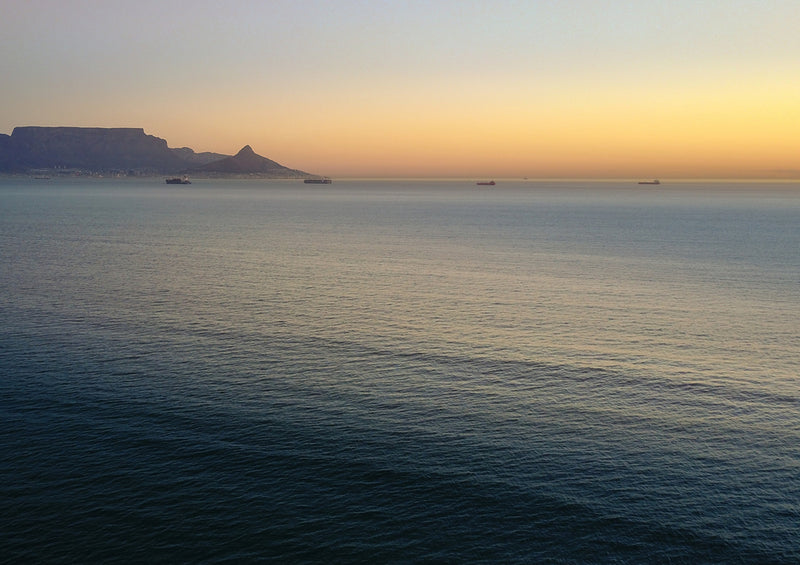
pixel 399 372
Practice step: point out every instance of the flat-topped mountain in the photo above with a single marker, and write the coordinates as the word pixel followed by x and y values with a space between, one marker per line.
pixel 93 149
pixel 123 150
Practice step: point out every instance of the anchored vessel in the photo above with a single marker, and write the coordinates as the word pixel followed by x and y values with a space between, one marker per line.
pixel 179 180
pixel 318 181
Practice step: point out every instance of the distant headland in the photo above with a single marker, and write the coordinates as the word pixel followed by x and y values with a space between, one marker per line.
pixel 124 152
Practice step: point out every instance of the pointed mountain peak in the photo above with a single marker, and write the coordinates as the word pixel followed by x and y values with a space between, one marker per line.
pixel 247 162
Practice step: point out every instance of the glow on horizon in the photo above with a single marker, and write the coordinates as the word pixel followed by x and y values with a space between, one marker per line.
pixel 488 89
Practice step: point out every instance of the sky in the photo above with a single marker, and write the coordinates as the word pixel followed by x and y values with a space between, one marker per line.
pixel 495 89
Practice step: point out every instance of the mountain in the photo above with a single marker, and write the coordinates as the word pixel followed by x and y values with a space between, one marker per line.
pixel 5 152
pixel 247 162
pixel 90 149
pixel 187 154
pixel 123 150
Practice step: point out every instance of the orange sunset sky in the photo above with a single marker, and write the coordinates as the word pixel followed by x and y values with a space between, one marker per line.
pixel 407 89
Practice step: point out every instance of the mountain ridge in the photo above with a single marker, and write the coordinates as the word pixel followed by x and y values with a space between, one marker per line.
pixel 247 162
pixel 127 151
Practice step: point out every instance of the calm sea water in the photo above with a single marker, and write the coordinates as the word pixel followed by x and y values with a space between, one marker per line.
pixel 399 372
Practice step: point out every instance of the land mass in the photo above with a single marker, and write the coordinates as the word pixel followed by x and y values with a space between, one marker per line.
pixel 123 151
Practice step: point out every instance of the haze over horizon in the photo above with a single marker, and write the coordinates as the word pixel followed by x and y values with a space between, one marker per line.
pixel 408 89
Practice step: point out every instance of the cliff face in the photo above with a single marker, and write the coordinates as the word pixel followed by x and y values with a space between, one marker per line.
pixel 97 149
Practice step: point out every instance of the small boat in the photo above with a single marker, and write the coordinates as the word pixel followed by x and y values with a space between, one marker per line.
pixel 486 183
pixel 179 180
pixel 654 181
pixel 318 181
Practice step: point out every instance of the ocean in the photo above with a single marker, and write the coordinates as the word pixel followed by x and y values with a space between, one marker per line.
pixel 399 372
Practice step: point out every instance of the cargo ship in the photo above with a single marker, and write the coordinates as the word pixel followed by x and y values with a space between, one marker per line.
pixel 318 181
pixel 179 180
pixel 654 181
pixel 486 183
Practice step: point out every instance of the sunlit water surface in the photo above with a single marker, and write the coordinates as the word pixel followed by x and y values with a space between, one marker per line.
pixel 379 371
